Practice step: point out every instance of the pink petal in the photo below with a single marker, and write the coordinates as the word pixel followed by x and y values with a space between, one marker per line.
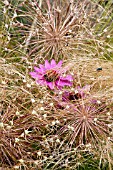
pixel 47 65
pixel 60 63
pixel 63 83
pixel 37 69
pixel 53 63
pixel 67 78
pixel 34 74
pixel 51 85
pixel 42 68
pixel 41 82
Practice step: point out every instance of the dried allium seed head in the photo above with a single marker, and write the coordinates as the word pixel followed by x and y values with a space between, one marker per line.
pixel 88 123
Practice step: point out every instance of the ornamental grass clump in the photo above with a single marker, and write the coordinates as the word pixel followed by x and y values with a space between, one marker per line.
pixel 20 134
pixel 48 125
pixel 63 119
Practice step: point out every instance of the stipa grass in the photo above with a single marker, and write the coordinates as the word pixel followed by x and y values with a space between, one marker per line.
pixel 33 116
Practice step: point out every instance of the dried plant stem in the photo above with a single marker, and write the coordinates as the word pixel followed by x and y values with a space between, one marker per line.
pixel 33 26
pixel 30 35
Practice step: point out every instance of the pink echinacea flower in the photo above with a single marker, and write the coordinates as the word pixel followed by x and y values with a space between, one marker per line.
pixel 51 75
